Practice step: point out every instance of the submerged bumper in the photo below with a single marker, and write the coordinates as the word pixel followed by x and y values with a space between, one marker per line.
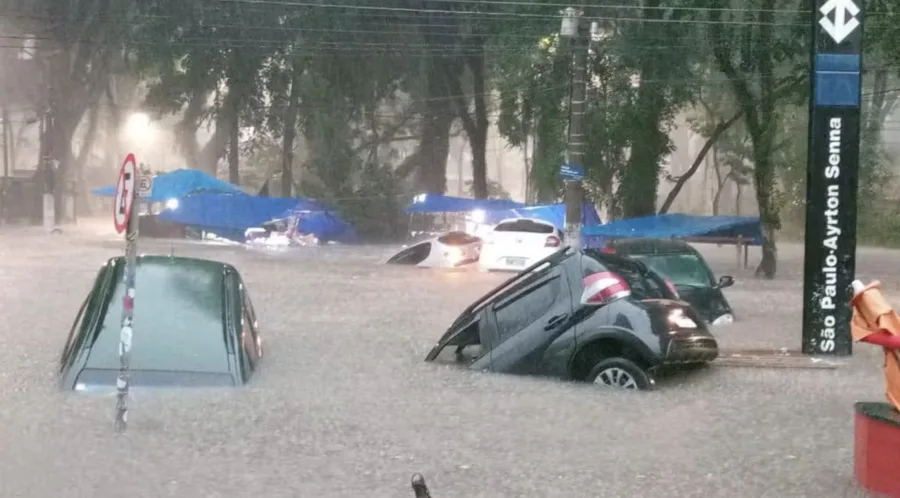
pixel 691 350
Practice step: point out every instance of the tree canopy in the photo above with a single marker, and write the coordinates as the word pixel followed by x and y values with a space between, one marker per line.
pixel 357 102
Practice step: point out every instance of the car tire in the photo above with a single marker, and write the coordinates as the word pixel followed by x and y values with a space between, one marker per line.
pixel 620 373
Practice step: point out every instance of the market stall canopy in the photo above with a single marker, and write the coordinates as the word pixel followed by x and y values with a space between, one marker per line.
pixel 437 203
pixel 178 184
pixel 233 212
pixel 327 226
pixel 678 226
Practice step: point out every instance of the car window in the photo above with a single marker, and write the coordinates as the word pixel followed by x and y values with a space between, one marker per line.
pixel 680 269
pixel 525 226
pixel 178 321
pixel 642 287
pixel 248 335
pixel 73 333
pixel 526 308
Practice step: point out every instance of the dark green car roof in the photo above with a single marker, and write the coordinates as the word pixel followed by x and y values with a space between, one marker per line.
pixel 652 246
pixel 178 317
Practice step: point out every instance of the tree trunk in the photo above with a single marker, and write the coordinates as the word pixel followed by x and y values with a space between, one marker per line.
pixel 479 141
pixel 290 132
pixel 768 210
pixel 720 182
pixel 234 149
pixel 640 181
pixel 429 162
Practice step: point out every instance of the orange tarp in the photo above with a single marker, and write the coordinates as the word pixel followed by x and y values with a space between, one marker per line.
pixel 873 315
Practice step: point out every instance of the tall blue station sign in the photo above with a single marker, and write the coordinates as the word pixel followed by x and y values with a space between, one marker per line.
pixel 831 195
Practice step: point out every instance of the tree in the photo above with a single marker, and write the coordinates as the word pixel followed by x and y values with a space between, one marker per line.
pixel 78 57
pixel 751 53
pixel 666 76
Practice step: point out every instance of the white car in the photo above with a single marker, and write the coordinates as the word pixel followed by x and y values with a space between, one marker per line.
pixel 517 243
pixel 451 250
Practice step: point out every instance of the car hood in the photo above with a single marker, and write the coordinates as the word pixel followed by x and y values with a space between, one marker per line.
pixel 709 302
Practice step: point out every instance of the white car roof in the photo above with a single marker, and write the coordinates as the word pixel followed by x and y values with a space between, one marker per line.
pixel 533 220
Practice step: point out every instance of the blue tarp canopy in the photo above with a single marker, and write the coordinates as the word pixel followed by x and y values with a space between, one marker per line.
pixel 553 213
pixel 436 203
pixel 177 184
pixel 325 225
pixel 678 226
pixel 227 212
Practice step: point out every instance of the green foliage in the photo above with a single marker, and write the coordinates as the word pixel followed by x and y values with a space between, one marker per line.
pixel 366 74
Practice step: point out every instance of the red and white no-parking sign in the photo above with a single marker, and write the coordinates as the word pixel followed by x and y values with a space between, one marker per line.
pixel 125 190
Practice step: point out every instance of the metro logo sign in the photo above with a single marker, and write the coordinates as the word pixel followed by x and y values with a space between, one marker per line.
pixel 841 27
pixel 125 190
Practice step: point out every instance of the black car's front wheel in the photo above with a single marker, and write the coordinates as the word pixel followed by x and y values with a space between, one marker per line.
pixel 620 373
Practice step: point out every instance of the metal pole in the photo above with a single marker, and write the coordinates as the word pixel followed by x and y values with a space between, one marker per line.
pixel 4 186
pixel 832 176
pixel 123 381
pixel 574 194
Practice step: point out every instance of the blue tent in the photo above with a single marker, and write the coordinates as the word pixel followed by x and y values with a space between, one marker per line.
pixel 325 225
pixel 436 203
pixel 553 213
pixel 677 226
pixel 227 213
pixel 177 184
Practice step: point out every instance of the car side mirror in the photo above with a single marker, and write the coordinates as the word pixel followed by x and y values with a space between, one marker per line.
pixel 603 287
pixel 725 281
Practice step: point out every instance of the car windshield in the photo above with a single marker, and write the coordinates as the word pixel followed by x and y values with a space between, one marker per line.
pixel 683 269
pixel 641 286
pixel 177 322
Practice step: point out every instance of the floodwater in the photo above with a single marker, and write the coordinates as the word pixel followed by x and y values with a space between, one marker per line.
pixel 344 405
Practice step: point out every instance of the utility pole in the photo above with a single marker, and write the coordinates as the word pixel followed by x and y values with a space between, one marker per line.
pixel 4 185
pixel 573 170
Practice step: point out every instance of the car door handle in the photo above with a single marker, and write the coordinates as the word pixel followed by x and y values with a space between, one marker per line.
pixel 556 321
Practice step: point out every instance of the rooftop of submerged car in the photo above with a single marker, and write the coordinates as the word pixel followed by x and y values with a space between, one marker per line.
pixel 179 322
pixel 652 246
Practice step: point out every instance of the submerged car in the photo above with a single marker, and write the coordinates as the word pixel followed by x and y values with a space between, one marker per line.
pixel 194 326
pixel 450 250
pixel 516 243
pixel 581 315
pixel 683 265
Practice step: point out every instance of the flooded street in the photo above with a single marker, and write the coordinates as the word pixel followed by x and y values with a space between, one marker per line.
pixel 345 406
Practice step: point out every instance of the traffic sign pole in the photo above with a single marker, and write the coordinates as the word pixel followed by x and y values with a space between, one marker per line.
pixel 126 217
pixel 832 171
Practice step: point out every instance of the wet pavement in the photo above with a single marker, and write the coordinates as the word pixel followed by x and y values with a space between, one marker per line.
pixel 344 405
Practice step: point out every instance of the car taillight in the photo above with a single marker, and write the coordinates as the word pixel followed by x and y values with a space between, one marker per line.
pixel 552 241
pixel 608 249
pixel 672 288
pixel 602 287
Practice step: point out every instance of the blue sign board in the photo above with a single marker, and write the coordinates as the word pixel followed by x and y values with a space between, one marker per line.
pixel 571 172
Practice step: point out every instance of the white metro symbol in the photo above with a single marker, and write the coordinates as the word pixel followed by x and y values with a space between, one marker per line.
pixel 842 27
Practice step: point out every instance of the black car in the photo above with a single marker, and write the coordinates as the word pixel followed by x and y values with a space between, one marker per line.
pixel 683 265
pixel 581 315
pixel 194 326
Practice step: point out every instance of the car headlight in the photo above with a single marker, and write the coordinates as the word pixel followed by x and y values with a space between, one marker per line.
pixel 678 320
pixel 725 319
